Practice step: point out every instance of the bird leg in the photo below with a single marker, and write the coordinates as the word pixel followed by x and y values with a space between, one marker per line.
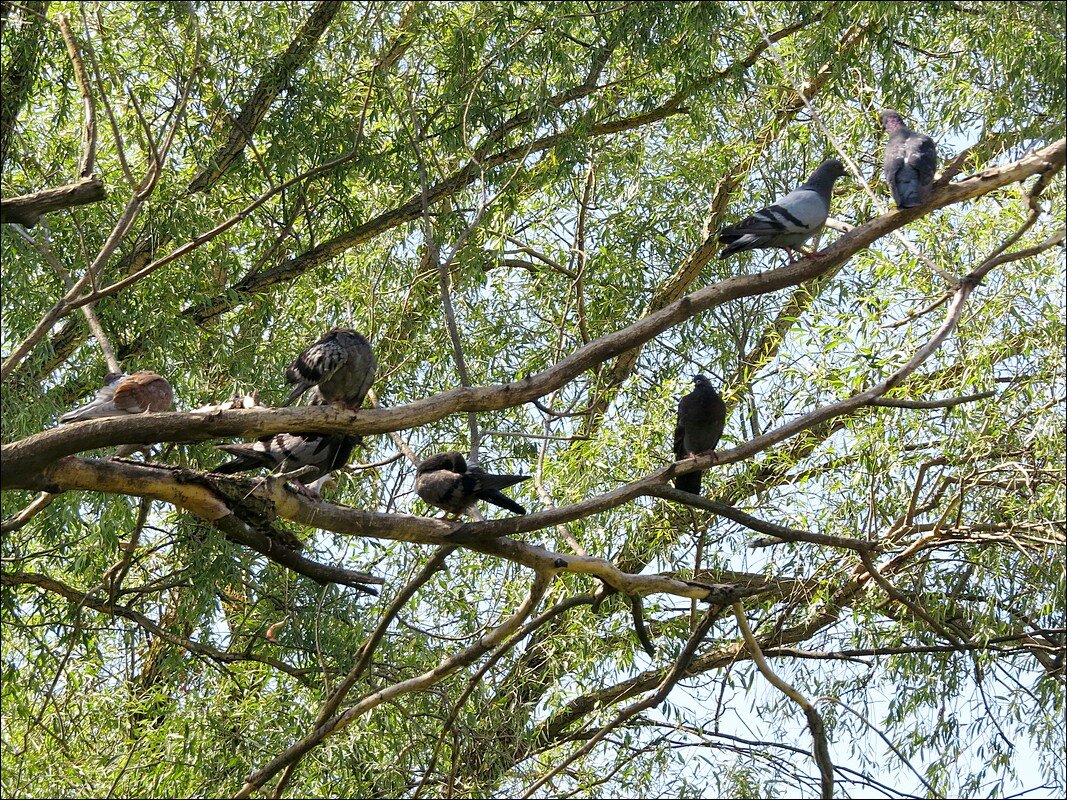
pixel 793 258
pixel 310 492
pixel 295 477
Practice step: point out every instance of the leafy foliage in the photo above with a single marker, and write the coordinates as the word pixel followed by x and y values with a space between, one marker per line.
pixel 568 161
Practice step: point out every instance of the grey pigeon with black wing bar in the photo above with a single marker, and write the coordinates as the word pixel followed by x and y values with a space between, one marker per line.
pixel 789 221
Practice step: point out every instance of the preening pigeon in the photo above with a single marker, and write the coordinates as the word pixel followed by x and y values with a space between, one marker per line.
pixel 125 394
pixel 285 452
pixel 443 480
pixel 701 419
pixel 791 220
pixel 910 162
pixel 341 365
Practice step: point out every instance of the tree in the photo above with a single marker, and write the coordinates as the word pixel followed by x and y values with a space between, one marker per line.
pixel 516 203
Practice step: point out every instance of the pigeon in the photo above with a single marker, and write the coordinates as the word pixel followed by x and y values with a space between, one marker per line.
pixel 285 452
pixel 701 419
pixel 341 365
pixel 910 162
pixel 125 394
pixel 791 221
pixel 443 480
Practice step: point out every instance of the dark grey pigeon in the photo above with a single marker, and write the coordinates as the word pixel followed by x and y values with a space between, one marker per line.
pixel 701 419
pixel 910 162
pixel 341 365
pixel 285 452
pixel 791 220
pixel 443 480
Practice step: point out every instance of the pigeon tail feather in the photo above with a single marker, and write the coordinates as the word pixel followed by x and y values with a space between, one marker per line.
pixel 247 458
pixel 690 482
pixel 502 500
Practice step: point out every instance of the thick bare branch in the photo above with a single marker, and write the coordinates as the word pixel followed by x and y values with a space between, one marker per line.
pixel 29 208
pixel 28 455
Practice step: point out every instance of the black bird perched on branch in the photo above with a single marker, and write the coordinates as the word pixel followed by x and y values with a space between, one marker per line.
pixel 341 365
pixel 286 452
pixel 789 221
pixel 701 419
pixel 443 480
pixel 910 162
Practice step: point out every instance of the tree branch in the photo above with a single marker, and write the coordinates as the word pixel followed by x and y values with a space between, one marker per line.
pixel 27 209
pixel 815 724
pixel 28 455
pixel 420 682
pixel 263 96
pixel 780 532
pixel 88 159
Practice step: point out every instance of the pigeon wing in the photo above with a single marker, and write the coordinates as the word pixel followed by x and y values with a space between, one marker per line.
pixel 248 456
pixel 143 391
pixel 314 365
pixel 800 211
pixel 920 153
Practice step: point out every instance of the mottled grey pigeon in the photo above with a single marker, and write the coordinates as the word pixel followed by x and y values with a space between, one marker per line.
pixel 125 394
pixel 285 452
pixel 701 419
pixel 910 162
pixel 341 365
pixel 443 480
pixel 791 221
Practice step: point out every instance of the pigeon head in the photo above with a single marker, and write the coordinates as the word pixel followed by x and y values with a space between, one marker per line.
pixel 827 172
pixel 890 120
pixel 451 461
pixel 345 333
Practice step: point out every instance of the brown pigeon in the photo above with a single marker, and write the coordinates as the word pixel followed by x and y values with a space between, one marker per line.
pixel 126 394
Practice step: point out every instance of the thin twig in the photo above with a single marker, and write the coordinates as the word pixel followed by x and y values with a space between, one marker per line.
pixel 44 249
pixel 950 402
pixel 826 699
pixel 676 673
pixel 19 520
pixel 367 649
pixel 820 751
pixel 421 682
pixel 780 532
